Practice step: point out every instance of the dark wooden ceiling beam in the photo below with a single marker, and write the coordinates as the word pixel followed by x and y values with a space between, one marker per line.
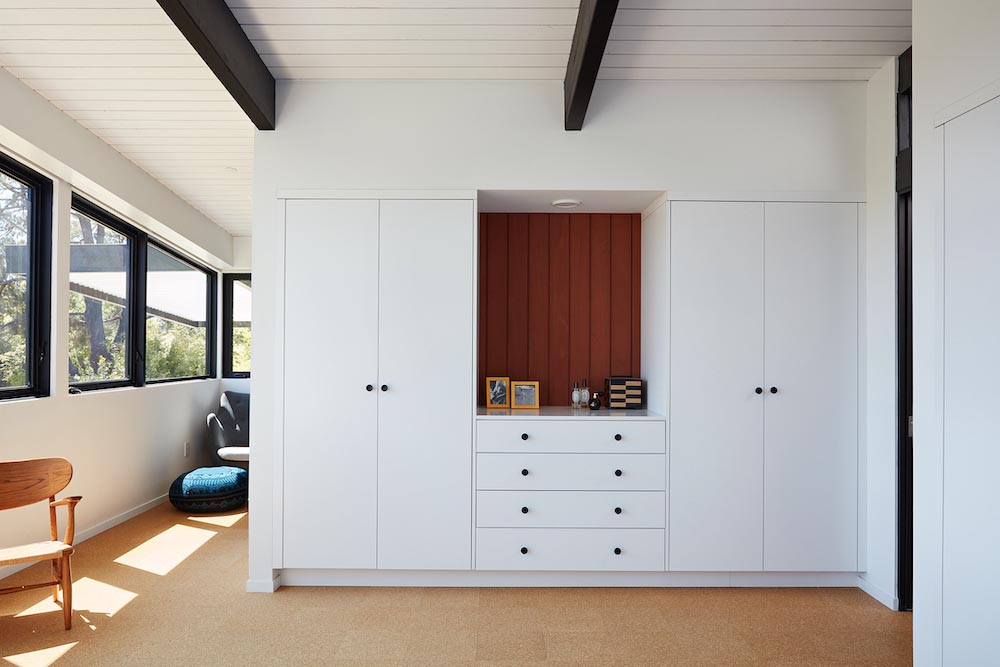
pixel 593 26
pixel 216 35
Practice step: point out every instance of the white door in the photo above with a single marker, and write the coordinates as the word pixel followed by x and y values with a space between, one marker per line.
pixel 971 390
pixel 716 364
pixel 331 356
pixel 811 362
pixel 425 363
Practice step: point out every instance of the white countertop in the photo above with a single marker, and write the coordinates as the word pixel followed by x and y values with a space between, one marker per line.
pixel 566 412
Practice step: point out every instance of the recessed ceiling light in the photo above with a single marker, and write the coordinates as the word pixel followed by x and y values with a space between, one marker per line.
pixel 566 203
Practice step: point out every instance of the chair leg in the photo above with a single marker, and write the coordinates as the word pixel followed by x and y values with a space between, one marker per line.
pixel 56 566
pixel 67 588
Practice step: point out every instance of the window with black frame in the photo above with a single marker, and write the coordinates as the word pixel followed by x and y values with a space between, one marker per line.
pixel 101 294
pixel 236 317
pixel 180 315
pixel 25 281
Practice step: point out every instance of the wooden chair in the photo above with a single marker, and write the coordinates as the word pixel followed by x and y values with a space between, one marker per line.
pixel 26 483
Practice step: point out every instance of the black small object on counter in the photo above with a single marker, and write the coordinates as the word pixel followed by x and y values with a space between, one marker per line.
pixel 595 401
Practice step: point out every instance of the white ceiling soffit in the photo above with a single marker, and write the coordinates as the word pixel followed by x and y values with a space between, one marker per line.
pixel 591 201
pixel 530 39
pixel 122 70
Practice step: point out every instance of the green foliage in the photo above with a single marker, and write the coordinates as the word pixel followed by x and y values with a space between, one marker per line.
pixel 13 287
pixel 241 349
pixel 173 350
pixel 110 367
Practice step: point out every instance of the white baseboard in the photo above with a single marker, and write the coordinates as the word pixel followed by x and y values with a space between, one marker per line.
pixel 87 533
pixel 264 585
pixel 296 577
pixel 888 599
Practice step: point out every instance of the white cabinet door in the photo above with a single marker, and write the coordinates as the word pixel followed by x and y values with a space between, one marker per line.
pixel 716 362
pixel 426 323
pixel 331 353
pixel 811 360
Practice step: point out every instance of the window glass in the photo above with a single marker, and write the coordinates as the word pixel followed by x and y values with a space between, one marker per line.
pixel 177 317
pixel 15 209
pixel 98 301
pixel 241 326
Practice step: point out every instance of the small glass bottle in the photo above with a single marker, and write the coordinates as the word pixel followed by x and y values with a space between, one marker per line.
pixel 576 395
pixel 585 393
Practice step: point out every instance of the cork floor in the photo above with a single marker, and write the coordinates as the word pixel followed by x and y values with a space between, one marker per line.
pixel 139 601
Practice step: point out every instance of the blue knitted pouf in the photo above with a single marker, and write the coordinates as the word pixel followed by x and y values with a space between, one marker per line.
pixel 208 490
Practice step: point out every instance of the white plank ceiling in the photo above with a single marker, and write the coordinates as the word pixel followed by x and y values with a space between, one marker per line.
pixel 124 71
pixel 530 39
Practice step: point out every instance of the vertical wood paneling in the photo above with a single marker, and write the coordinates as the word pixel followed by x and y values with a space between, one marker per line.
pixel 621 295
pixel 484 323
pixel 517 298
pixel 496 294
pixel 559 278
pixel 538 303
pixel 600 298
pixel 579 297
pixel 559 299
pixel 636 294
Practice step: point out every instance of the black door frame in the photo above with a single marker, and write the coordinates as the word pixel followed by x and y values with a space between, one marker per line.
pixel 904 332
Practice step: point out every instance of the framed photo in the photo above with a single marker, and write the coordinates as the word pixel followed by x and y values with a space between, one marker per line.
pixel 497 392
pixel 525 394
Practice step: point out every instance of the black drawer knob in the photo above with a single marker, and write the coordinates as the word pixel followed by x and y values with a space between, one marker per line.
pixel 774 390
pixel 524 510
pixel 618 551
pixel 618 510
pixel 618 437
pixel 618 473
pixel 524 436
pixel 758 390
pixel 369 388
pixel 524 472
pixel 524 550
pixel 385 387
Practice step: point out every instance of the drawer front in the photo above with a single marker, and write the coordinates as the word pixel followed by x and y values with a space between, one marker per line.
pixel 571 472
pixel 586 435
pixel 571 509
pixel 570 549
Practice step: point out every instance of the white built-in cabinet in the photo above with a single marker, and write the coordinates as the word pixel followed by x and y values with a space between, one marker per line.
pixel 378 384
pixel 763 387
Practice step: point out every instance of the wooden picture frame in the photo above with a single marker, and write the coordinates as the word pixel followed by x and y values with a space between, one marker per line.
pixel 497 387
pixel 524 394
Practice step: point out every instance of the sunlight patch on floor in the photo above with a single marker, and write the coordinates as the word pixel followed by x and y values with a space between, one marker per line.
pixel 88 594
pixel 225 521
pixel 40 658
pixel 164 552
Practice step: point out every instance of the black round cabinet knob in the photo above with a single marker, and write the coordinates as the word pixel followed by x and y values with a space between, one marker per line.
pixel 369 388
pixel 774 390
pixel 618 473
pixel 618 437
pixel 385 387
pixel 618 510
pixel 524 472
pixel 618 551
pixel 524 436
pixel 524 510
pixel 524 550
pixel 758 390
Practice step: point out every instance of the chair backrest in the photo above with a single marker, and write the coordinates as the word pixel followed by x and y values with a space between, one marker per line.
pixel 234 416
pixel 28 482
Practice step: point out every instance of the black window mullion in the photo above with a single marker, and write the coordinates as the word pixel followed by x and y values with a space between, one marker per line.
pixel 229 281
pixel 138 322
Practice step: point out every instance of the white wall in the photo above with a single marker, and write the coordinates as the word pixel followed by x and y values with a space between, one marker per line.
pixel 684 136
pixel 955 53
pixel 879 378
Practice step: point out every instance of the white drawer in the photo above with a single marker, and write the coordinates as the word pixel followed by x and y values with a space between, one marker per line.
pixel 570 509
pixel 571 472
pixel 591 435
pixel 569 549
